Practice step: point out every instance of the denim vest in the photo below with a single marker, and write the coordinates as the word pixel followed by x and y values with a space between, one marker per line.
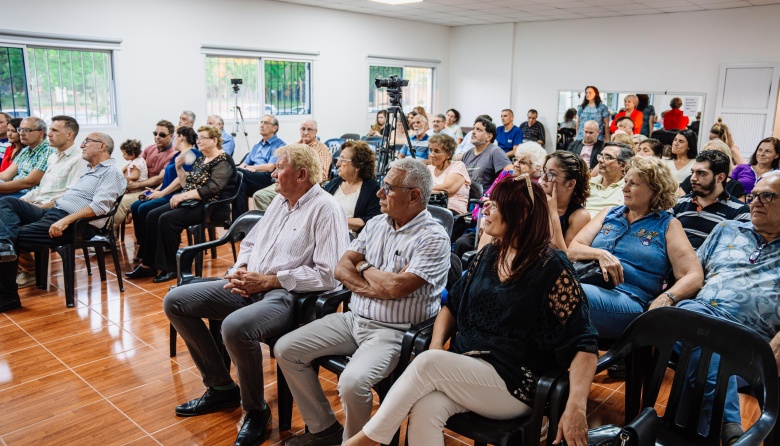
pixel 641 249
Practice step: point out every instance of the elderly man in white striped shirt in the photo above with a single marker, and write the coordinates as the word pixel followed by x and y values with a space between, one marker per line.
pixel 26 227
pixel 396 269
pixel 294 248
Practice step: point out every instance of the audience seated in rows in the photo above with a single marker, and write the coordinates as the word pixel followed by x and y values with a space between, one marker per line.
pixel 708 204
pixel 294 248
pixel 449 175
pixel 683 155
pixel 438 126
pixel 174 179
pixel 606 188
pixel 518 312
pixel 258 164
pixel 741 260
pixel 637 246
pixel 533 130
pixel 396 269
pixel 355 188
pixel 212 178
pixel 650 147
pixel 636 116
pixel 465 145
pixel 589 147
pixel 25 227
pixel 228 143
pixel 156 156
pixel 486 159
pixel 263 197
pixel 529 159
pixel 733 187
pixel 27 169
pixel 765 158
pixel 419 139
pixel 508 135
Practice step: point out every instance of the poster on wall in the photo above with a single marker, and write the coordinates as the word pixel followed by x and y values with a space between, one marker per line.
pixel 690 105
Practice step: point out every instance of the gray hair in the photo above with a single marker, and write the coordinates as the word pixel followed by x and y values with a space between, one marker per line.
pixel 633 98
pixel 217 117
pixel 190 115
pixel 442 117
pixel 416 176
pixel 107 140
pixel 625 154
pixel 40 124
pixel 534 151
pixel 312 121
pixel 274 121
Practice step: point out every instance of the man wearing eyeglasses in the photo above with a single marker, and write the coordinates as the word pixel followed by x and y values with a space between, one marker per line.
pixel 258 164
pixel 606 188
pixel 396 269
pixel 741 261
pixel 25 227
pixel 263 197
pixel 29 166
pixel 157 156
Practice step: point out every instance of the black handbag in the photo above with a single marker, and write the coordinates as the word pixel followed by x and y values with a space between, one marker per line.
pixel 591 274
pixel 439 199
pixel 641 431
pixel 189 203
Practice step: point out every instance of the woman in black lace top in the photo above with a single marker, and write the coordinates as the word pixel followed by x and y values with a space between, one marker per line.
pixel 212 177
pixel 518 312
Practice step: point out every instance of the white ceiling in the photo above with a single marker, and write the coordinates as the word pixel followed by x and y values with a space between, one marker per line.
pixel 481 12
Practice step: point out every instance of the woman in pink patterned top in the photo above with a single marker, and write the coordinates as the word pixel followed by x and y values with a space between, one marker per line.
pixel 448 175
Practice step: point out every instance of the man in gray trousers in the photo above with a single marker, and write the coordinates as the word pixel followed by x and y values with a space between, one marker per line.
pixel 294 248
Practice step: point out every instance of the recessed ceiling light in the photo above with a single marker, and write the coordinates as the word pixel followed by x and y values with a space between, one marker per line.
pixel 396 2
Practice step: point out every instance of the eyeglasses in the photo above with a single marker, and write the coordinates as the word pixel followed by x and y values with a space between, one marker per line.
pixel 161 134
pixel 763 197
pixel 266 123
pixel 389 187
pixel 88 140
pixel 25 131
pixel 343 160
pixel 200 138
pixel 549 176
pixel 527 179
pixel 754 257
pixel 605 157
pixel 306 130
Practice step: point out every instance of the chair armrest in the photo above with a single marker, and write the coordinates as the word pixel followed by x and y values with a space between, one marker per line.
pixel 210 206
pixel 546 389
pixel 329 302
pixel 186 256
pixel 416 340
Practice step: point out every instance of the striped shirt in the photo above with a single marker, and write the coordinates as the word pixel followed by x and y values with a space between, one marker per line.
pixel 62 171
pixel 300 245
pixel 423 245
pixel 99 189
pixel 699 222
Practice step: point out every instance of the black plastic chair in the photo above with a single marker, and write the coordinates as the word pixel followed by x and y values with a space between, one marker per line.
pixel 304 305
pixel 443 216
pixel 647 348
pixel 196 234
pixel 103 238
pixel 351 136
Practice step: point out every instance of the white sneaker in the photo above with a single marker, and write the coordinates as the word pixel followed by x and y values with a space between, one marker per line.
pixel 25 279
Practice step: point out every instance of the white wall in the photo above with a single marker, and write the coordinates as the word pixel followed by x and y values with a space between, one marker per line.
pixel 679 52
pixel 160 68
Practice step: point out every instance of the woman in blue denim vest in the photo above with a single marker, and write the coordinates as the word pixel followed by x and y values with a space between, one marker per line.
pixel 637 246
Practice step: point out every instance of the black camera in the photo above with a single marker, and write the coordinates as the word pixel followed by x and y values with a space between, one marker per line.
pixel 236 81
pixel 391 82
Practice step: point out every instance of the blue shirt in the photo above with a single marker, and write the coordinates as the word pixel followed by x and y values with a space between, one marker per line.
pixel 744 292
pixel 641 249
pixel 420 147
pixel 508 140
pixel 228 143
pixel 170 174
pixel 591 113
pixel 263 152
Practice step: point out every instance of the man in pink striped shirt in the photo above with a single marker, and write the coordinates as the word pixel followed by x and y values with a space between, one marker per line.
pixel 294 248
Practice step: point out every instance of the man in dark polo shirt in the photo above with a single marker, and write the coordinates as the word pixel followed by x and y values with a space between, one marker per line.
pixel 708 204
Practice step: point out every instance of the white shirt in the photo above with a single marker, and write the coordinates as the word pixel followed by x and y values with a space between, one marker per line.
pixel 63 169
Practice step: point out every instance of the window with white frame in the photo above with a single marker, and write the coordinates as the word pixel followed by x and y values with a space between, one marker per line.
pixel 418 93
pixel 269 86
pixel 49 81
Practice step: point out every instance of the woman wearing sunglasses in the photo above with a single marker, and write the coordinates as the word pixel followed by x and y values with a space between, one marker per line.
pixel 518 311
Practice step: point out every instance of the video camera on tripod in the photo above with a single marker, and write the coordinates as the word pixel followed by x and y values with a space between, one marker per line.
pixel 386 149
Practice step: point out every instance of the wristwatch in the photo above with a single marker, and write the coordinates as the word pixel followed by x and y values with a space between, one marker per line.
pixel 363 267
pixel 671 296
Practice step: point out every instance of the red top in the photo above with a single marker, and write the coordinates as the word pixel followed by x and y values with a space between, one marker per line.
pixel 675 120
pixel 7 161
pixel 636 116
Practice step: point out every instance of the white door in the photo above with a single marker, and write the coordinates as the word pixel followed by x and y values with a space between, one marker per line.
pixel 746 100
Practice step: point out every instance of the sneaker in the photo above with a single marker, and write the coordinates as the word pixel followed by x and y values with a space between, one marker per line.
pixel 730 433
pixel 617 371
pixel 331 436
pixel 24 279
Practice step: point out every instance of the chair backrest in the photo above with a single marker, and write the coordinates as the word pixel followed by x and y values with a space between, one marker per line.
pixel 648 344
pixel 443 216
pixel 352 136
pixel 334 144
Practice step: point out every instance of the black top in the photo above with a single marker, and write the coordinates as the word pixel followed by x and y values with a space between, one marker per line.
pixel 572 208
pixel 528 325
pixel 367 206
pixel 733 187
pixel 214 179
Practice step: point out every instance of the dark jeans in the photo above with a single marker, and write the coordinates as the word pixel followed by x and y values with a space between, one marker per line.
pixel 140 210
pixel 253 182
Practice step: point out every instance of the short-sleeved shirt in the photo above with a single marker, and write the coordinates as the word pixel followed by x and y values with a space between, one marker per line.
pixel 98 188
pixel 228 143
pixel 682 174
pixel 30 159
pixel 423 248
pixel 698 222
pixel 745 174
pixel 420 147
pixel 459 201
pixel 601 197
pixel 139 164
pixel 63 169
pixel 744 291
pixel 157 159
pixel 456 131
pixel 646 113
pixel 170 174
pixel 508 139
pixel 533 132
pixel 263 152
pixel 591 113
pixel 485 166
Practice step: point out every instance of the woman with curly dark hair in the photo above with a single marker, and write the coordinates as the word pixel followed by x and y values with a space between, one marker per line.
pixel 355 188
pixel 565 180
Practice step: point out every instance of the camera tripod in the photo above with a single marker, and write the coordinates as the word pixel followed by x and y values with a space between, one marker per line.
pixel 238 117
pixel 386 149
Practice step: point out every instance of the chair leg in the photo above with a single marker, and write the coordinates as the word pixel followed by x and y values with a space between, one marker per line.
pixel 117 267
pixel 173 341
pixel 68 255
pixel 212 236
pixel 284 401
pixel 86 260
pixel 41 269
pixel 122 232
pixel 235 255
pixel 101 261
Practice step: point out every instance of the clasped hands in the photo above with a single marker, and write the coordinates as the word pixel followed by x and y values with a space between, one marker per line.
pixel 245 283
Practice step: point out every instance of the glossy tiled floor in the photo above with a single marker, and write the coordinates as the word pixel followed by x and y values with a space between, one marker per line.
pixel 100 374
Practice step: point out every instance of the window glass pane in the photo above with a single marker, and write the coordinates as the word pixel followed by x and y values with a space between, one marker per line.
pixel 287 87
pixel 377 97
pixel 220 95
pixel 72 82
pixel 420 89
pixel 13 87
